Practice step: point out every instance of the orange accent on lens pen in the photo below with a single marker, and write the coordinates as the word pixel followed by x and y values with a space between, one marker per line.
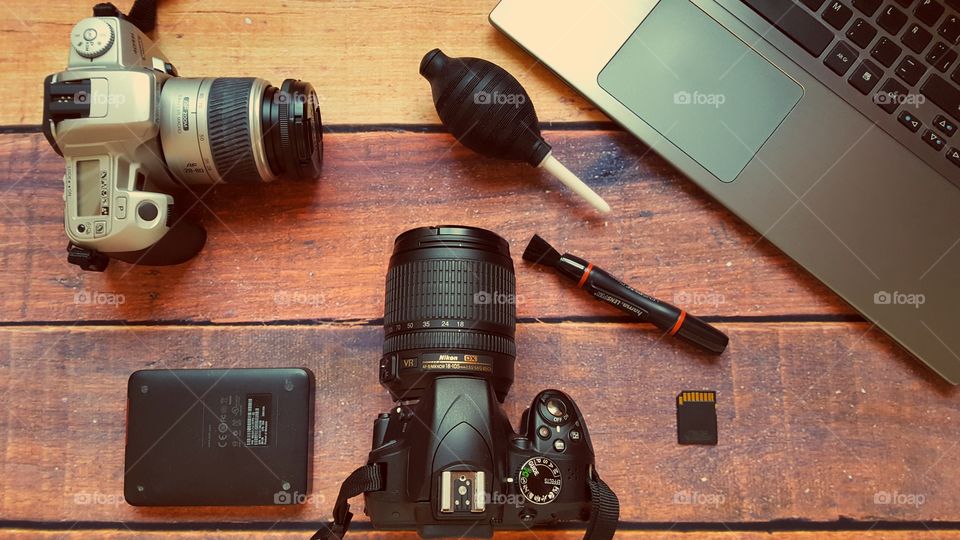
pixel 679 323
pixel 586 274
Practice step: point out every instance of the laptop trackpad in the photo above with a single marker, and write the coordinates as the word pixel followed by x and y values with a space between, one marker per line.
pixel 700 87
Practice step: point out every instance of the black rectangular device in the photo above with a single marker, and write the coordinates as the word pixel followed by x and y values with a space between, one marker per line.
pixel 218 437
pixel 697 417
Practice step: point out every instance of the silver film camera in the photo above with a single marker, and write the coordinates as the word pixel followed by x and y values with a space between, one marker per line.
pixel 133 134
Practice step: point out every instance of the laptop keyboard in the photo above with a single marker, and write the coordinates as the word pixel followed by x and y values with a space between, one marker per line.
pixel 901 55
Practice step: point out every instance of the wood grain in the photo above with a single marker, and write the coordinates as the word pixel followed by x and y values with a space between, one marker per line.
pixel 362 56
pixel 304 250
pixel 817 421
pixel 538 535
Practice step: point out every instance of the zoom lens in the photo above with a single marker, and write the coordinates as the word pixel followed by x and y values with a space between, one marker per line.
pixel 450 309
pixel 240 130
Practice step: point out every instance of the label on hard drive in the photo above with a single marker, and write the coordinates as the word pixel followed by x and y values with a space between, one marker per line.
pixel 223 421
pixel 258 409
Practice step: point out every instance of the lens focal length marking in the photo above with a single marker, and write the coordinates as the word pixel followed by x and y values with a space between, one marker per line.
pixel 449 362
pixel 439 324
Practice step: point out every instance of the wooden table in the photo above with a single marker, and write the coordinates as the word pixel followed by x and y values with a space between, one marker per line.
pixel 827 429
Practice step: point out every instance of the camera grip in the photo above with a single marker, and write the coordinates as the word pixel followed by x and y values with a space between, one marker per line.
pixel 184 240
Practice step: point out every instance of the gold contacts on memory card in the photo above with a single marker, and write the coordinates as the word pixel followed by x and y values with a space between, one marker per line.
pixel 697 417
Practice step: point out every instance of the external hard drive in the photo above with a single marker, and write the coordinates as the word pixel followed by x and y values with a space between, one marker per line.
pixel 198 437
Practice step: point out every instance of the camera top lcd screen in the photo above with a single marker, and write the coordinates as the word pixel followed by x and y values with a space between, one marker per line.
pixel 93 189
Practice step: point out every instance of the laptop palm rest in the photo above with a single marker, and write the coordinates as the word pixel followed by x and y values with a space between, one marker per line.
pixel 700 86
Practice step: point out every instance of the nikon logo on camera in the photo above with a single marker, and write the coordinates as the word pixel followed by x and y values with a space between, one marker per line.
pixel 496 298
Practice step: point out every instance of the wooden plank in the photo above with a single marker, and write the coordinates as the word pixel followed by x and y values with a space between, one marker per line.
pixel 362 57
pixel 304 250
pixel 817 421
pixel 537 535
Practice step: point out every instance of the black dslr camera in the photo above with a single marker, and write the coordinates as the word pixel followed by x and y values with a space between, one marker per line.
pixel 445 459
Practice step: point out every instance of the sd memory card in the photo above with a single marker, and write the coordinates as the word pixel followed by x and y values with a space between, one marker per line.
pixel 697 417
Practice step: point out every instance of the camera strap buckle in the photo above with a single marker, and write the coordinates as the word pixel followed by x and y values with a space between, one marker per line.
pixel 87 259
pixel 365 479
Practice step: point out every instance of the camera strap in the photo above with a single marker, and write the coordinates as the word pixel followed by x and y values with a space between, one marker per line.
pixel 605 512
pixel 143 14
pixel 362 480
pixel 603 516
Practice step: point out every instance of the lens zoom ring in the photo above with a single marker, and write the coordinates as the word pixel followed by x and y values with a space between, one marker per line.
pixel 455 289
pixel 228 122
pixel 447 340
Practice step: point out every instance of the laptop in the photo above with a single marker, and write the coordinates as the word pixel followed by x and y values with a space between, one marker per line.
pixel 829 126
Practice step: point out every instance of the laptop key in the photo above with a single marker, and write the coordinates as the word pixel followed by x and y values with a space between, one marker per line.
pixel 868 7
pixel 910 70
pixel 945 126
pixel 950 29
pixel 942 94
pixel 892 19
pixel 865 77
pixel 798 25
pixel 836 14
pixel 861 33
pixel 890 95
pixel 916 38
pixel 941 56
pixel 886 51
pixel 928 11
pixel 935 141
pixel 910 121
pixel 954 156
pixel 840 58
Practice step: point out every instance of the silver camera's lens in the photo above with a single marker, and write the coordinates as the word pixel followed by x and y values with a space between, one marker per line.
pixel 240 130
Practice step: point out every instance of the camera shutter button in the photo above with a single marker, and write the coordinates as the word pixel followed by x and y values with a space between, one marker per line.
pixel 92 37
pixel 556 407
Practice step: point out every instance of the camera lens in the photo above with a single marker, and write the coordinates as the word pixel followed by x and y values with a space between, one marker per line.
pixel 450 309
pixel 240 130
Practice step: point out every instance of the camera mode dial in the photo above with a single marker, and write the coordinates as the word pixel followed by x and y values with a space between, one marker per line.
pixel 540 480
pixel 92 37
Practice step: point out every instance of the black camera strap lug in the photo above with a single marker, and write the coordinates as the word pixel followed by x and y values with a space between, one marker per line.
pixel 365 479
pixel 90 260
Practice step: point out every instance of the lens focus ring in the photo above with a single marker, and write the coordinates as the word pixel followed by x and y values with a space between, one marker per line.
pixel 448 289
pixel 228 117
pixel 449 341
